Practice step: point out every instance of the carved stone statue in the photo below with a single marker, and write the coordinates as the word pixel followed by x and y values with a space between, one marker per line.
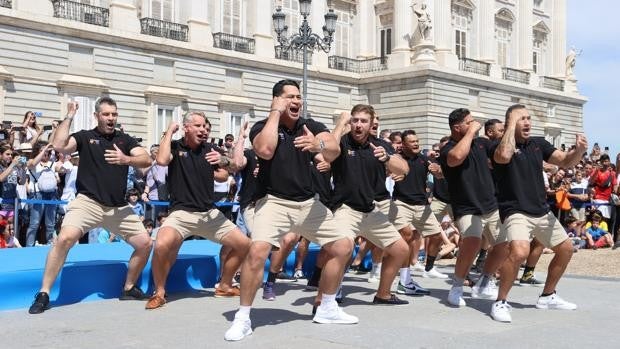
pixel 424 22
pixel 571 59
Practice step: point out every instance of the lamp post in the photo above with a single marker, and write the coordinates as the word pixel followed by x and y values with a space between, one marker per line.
pixel 305 39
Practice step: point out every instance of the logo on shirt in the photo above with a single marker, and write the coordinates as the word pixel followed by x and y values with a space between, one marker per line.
pixel 281 135
pixel 517 151
pixel 351 152
pixel 93 141
pixel 183 154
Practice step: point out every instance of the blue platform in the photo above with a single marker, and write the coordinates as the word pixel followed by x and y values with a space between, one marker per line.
pixel 97 271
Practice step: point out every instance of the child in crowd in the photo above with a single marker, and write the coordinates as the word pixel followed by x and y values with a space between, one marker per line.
pixel 148 225
pixel 450 236
pixel 575 233
pixel 597 236
pixel 161 217
pixel 132 199
pixel 7 238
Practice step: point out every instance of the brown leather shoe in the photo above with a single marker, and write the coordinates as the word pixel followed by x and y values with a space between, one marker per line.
pixel 232 292
pixel 155 302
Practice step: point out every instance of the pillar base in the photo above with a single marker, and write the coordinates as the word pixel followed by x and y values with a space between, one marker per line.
pixel 399 58
pixel 570 85
pixel 446 58
pixel 424 54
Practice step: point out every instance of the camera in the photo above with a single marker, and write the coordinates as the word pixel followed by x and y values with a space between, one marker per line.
pixel 47 128
pixel 18 128
pixel 138 139
pixel 22 160
pixel 38 114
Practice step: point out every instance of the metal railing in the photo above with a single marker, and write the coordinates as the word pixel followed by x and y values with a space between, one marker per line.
pixel 357 65
pixel 552 83
pixel 516 75
pixel 475 66
pixel 293 55
pixel 233 42
pixel 164 29
pixel 6 3
pixel 79 12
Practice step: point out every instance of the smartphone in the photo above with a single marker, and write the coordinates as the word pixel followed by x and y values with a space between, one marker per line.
pixel 220 142
pixel 23 160
pixel 606 148
pixel 47 128
pixel 18 128
pixel 38 114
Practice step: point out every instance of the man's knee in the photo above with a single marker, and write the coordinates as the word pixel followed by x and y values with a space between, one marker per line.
pixel 339 249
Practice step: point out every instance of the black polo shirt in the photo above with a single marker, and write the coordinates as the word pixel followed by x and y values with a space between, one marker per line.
pixel 249 187
pixel 288 175
pixel 322 182
pixel 412 189
pixel 97 179
pixel 190 177
pixel 356 174
pixel 470 184
pixel 520 184
pixel 381 192
pixel 440 190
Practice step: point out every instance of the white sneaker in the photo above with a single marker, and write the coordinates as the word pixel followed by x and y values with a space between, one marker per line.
pixel 333 315
pixel 239 329
pixel 488 292
pixel 299 274
pixel 417 267
pixel 374 277
pixel 455 296
pixel 433 273
pixel 500 311
pixel 554 302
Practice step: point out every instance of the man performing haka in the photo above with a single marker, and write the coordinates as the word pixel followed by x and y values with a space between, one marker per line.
pixel 285 144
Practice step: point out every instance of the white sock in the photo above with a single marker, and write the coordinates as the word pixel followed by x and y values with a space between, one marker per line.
pixel 243 312
pixel 328 300
pixel 376 269
pixel 405 276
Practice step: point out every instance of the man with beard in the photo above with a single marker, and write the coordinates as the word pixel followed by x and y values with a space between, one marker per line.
pixel 285 145
pixel 192 167
pixel 411 208
pixel 517 163
pixel 465 165
pixel 362 163
pixel 105 155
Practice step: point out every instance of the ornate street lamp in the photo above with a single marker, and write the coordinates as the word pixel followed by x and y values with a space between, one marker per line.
pixel 305 39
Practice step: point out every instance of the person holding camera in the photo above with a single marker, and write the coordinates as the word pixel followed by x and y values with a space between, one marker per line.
pixel 12 173
pixel 31 130
pixel 44 187
pixel 155 188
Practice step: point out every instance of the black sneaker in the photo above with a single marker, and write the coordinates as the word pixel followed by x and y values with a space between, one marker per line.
pixel 393 300
pixel 284 276
pixel 532 281
pixel 41 303
pixel 133 294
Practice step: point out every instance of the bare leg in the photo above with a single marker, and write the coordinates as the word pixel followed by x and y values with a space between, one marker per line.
pixel 239 245
pixel 339 253
pixel 563 254
pixel 519 250
pixel 252 271
pixel 166 250
pixel 142 245
pixel 467 253
pixel 58 254
pixel 302 252
pixel 393 258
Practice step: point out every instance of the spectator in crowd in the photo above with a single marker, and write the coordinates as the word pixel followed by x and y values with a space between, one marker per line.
pixel 574 229
pixel 596 236
pixel 385 135
pixel 132 201
pixel 603 181
pixel 148 225
pixel 161 218
pixel 450 236
pixel 7 238
pixel 595 155
pixel 32 131
pixel 579 195
pixel 105 155
pixel 44 185
pixel 70 169
pixel 155 188
pixel 228 143
pixel 12 173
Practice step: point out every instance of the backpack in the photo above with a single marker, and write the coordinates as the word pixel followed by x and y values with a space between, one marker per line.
pixel 47 180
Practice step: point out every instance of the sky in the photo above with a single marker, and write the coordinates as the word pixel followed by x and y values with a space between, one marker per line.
pixel 592 26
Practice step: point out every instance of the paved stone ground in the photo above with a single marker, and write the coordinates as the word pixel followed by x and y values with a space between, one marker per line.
pixel 199 320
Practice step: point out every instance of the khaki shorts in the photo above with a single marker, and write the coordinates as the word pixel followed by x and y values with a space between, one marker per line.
pixel 248 218
pixel 420 216
pixel 274 217
pixel 477 225
pixel 375 226
pixel 440 209
pixel 547 229
pixel 85 214
pixel 384 206
pixel 212 224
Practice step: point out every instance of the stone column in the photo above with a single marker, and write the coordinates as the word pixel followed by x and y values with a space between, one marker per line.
pixel 442 28
pixel 525 36
pixel 488 49
pixel 318 10
pixel 557 39
pixel 401 53
pixel 197 18
pixel 364 26
pixel 124 16
pixel 259 15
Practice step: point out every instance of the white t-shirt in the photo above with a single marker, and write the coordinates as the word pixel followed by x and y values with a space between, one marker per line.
pixel 68 192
